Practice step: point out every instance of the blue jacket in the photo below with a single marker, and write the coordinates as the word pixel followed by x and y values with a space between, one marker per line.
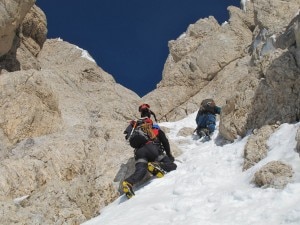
pixel 207 120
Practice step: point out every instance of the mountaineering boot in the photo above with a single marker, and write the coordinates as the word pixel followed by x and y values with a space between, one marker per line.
pixel 205 138
pixel 202 132
pixel 204 135
pixel 155 169
pixel 127 189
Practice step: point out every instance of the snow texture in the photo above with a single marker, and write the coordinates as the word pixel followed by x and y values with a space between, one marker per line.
pixel 210 188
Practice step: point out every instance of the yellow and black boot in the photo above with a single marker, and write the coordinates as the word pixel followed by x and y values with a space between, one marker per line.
pixel 127 189
pixel 155 169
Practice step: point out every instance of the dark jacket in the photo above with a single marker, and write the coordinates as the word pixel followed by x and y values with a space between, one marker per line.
pixel 148 152
pixel 163 140
pixel 207 119
pixel 147 113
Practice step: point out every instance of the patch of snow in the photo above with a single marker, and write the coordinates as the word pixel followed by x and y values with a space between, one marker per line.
pixel 86 55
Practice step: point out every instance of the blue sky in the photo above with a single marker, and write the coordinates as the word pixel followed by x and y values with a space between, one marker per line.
pixel 128 39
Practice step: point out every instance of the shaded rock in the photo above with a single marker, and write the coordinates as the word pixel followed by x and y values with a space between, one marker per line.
pixel 12 15
pixel 274 15
pixel 298 141
pixel 28 37
pixel 266 96
pixel 290 35
pixel 32 36
pixel 34 30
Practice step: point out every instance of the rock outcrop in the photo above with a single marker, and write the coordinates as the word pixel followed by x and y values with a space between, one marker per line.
pixel 12 15
pixel 23 32
pixel 199 67
pixel 274 174
pixel 249 65
pixel 256 148
pixel 62 127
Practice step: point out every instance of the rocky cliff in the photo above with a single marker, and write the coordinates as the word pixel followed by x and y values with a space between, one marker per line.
pixel 62 116
pixel 249 64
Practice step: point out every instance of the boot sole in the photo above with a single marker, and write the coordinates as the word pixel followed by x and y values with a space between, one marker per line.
pixel 127 191
pixel 155 171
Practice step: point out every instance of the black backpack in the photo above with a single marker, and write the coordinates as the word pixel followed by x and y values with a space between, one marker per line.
pixel 141 133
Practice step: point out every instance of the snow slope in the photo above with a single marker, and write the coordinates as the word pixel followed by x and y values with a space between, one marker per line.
pixel 209 187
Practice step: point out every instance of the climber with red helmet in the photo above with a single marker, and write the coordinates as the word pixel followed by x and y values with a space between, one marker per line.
pixel 145 111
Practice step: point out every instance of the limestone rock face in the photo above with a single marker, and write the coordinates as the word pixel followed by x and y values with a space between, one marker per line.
pixel 250 66
pixel 34 30
pixel 274 174
pixel 29 106
pixel 27 38
pixel 190 40
pixel 274 15
pixel 33 34
pixel 256 147
pixel 61 126
pixel 270 97
pixel 207 49
pixel 12 15
pixel 62 131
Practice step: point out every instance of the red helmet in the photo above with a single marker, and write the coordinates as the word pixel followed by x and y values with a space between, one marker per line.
pixel 143 107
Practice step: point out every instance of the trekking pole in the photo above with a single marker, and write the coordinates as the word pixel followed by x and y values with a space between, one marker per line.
pixel 177 160
pixel 133 128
